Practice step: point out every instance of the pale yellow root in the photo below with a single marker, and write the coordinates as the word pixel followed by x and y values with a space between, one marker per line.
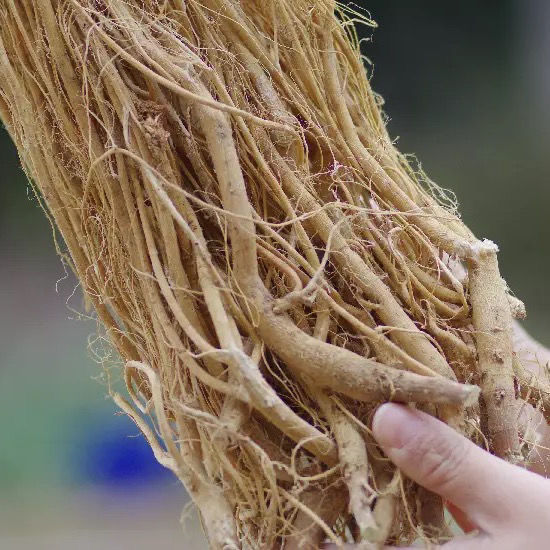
pixel 492 322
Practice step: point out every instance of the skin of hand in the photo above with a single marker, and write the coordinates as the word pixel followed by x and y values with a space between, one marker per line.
pixel 535 358
pixel 505 507
pixel 508 506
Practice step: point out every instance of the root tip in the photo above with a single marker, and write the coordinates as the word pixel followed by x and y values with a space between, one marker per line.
pixel 479 249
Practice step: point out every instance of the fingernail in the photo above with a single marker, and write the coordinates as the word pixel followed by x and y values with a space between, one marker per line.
pixel 394 425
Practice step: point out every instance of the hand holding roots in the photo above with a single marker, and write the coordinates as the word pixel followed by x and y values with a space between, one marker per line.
pixel 267 264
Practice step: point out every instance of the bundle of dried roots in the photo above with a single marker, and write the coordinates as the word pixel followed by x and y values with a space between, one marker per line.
pixel 269 267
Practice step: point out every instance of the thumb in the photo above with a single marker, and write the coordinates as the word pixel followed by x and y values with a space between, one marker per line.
pixel 489 490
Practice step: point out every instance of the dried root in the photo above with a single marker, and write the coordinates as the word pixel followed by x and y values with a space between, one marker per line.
pixel 268 266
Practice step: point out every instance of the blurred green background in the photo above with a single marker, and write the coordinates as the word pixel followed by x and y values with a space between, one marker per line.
pixel 467 89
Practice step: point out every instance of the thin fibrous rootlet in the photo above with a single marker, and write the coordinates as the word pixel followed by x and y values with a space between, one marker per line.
pixel 268 266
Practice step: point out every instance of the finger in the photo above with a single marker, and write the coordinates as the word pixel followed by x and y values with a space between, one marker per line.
pixel 535 430
pixel 464 522
pixel 330 546
pixel 468 542
pixel 532 354
pixel 490 491
pixel 459 543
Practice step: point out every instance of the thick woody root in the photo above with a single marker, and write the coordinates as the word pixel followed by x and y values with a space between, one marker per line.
pixel 492 320
pixel 317 511
pixel 267 265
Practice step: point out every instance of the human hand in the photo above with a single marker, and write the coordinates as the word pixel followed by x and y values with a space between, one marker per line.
pixel 508 505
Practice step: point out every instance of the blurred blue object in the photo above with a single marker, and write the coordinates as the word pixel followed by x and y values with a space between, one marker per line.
pixel 113 454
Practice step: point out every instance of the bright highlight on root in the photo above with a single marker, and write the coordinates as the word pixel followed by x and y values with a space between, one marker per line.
pixel 267 264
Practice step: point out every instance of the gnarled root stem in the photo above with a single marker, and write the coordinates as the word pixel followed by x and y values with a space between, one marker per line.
pixel 492 320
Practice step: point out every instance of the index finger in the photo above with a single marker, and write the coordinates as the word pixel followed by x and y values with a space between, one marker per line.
pixel 490 491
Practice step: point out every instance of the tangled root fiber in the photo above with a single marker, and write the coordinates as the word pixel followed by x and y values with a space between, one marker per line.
pixel 268 266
